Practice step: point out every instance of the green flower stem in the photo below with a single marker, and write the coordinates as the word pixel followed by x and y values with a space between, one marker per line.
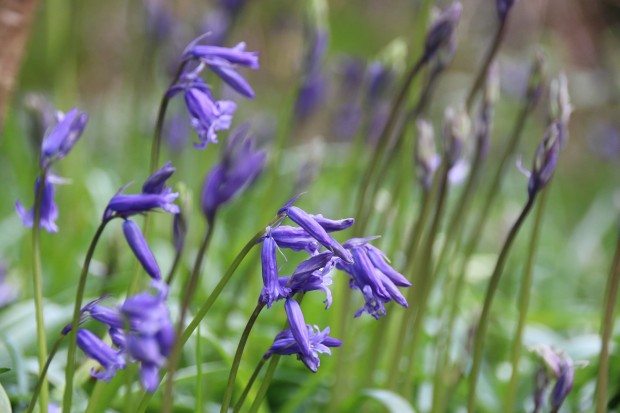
pixel 484 69
pixel 198 408
pixel 384 141
pixel 188 292
pixel 262 390
pixel 237 359
pixel 202 312
pixel 248 386
pixel 41 379
pixel 415 316
pixel 161 116
pixel 175 266
pixel 79 297
pixel 477 230
pixel 478 343
pixel 524 302
pixel 37 283
pixel 611 294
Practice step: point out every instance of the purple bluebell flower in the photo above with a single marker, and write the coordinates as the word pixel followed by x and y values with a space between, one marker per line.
pixel 379 80
pixel 179 231
pixel 503 8
pixel 332 225
pixel 48 210
pixel 294 238
pixel 150 336
pixel 442 30
pixel 562 369
pixel 159 21
pixel 373 277
pixel 307 350
pixel 141 249
pixel 240 166
pixel 319 342
pixel 61 138
pixel 110 359
pixel 313 87
pixel 158 196
pixel 315 230
pixel 223 61
pixel 156 183
pixel 313 274
pixel 545 159
pixel 208 115
pixel 272 290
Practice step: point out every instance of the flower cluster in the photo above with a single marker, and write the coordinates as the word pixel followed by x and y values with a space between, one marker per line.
pixel 140 330
pixel 366 265
pixel 209 115
pixel 57 143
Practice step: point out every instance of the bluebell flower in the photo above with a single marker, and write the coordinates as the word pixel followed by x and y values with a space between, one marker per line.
pixel 373 277
pixel 302 339
pixel 562 369
pixel 48 210
pixel 241 164
pixel 179 231
pixel 223 61
pixel 320 342
pixel 272 290
pixel 208 115
pixel 441 32
pixel 111 360
pixel 150 337
pixel 313 87
pixel 294 238
pixel 311 275
pixel 141 249
pixel 63 136
pixel 379 80
pixel 157 196
pixel 315 230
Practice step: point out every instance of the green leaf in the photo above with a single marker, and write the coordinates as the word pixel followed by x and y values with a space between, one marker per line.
pixel 392 401
pixel 5 404
pixel 4 369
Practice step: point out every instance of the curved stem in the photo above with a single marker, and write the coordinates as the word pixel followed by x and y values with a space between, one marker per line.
pixel 237 359
pixel 478 343
pixel 611 294
pixel 161 116
pixel 384 139
pixel 425 285
pixel 37 282
pixel 262 391
pixel 175 266
pixel 482 74
pixel 524 302
pixel 79 297
pixel 248 386
pixel 188 292
pixel 41 379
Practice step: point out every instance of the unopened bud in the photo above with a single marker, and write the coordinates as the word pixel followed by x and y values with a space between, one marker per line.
pixel 456 129
pixel 560 106
pixel 440 33
pixel 426 158
pixel 545 159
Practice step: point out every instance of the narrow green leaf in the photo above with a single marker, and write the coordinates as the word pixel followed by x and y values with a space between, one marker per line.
pixel 4 369
pixel 5 404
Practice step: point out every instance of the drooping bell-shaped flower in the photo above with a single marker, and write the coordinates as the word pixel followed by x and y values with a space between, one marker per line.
pixel 139 246
pixel 61 138
pixel 272 290
pixel 110 359
pixel 241 164
pixel 48 210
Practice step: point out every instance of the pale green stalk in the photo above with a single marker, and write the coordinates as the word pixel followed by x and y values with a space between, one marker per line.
pixel 524 302
pixel 248 386
pixel 607 326
pixel 482 325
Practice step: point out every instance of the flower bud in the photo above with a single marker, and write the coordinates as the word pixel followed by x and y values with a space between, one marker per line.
pixel 545 159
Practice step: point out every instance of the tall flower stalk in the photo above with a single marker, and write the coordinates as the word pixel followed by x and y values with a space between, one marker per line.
pixel 607 325
pixel 544 165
